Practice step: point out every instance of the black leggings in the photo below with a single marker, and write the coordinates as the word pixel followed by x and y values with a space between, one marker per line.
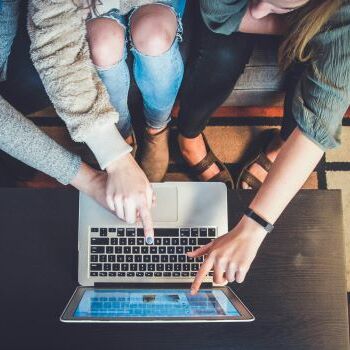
pixel 216 63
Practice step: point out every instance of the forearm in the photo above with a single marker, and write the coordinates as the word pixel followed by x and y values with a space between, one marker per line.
pixel 293 165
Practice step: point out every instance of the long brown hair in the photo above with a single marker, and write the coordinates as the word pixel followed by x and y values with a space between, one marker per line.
pixel 303 25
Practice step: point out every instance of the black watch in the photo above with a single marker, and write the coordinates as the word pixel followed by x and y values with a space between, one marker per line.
pixel 258 219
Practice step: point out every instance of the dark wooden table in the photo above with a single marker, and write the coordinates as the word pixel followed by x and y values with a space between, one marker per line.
pixel 296 286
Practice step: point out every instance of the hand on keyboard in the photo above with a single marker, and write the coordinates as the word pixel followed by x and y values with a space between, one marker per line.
pixel 229 255
pixel 129 194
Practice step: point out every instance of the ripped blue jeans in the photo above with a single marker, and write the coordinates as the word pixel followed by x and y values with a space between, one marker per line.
pixel 158 77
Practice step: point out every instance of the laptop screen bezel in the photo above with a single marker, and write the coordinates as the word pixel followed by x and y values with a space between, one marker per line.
pixel 68 313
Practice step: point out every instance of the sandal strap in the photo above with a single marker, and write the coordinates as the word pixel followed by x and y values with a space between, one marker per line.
pixel 263 161
pixel 204 164
pixel 250 179
pixel 225 177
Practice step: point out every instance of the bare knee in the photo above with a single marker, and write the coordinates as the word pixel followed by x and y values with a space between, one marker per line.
pixel 153 29
pixel 106 40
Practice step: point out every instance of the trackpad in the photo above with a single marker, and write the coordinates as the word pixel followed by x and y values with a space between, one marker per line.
pixel 166 204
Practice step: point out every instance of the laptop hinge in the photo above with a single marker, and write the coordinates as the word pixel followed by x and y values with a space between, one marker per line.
pixel 148 285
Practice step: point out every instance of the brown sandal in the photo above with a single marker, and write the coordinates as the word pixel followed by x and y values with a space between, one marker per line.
pixel 210 159
pixel 260 159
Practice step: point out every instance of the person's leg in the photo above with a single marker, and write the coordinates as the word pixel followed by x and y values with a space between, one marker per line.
pixel 288 124
pixel 108 52
pixel 216 64
pixel 158 70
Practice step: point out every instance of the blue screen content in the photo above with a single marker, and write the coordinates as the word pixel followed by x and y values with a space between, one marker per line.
pixel 114 303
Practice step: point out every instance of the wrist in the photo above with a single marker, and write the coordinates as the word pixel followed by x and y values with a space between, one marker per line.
pixel 117 164
pixel 83 178
pixel 251 227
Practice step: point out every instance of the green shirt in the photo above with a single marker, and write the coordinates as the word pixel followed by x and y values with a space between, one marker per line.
pixel 322 95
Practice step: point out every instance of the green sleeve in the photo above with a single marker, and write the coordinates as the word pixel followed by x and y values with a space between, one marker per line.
pixel 322 95
pixel 225 16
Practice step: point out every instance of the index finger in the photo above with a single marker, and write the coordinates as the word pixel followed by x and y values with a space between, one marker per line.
pixel 203 271
pixel 147 223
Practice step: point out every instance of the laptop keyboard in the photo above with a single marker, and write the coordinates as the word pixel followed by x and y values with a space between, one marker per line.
pixel 123 252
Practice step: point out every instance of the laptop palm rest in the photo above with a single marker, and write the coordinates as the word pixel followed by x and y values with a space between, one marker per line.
pixel 166 209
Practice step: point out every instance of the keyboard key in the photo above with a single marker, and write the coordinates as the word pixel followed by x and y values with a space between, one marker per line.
pixel 131 241
pixel 138 258
pixel 140 241
pixel 133 267
pixel 181 258
pixel 142 267
pixel 135 250
pixel 107 267
pixel 203 241
pixel 118 250
pixel 179 250
pixel 127 250
pixel 193 274
pixel 189 259
pixel 166 274
pixel 125 267
pixel 194 232
pixel 164 258
pixel 93 274
pixel 122 241
pixel 94 229
pixel 162 250
pixel 211 232
pixel 99 241
pixel 146 258
pixel 97 249
pixel 120 258
pixel 102 274
pixel 195 267
pixel 140 232
pixel 112 274
pixel 130 232
pixel 166 241
pixel 176 274
pixel 151 267
pixel 184 232
pixel 103 232
pixel 111 258
pixel 186 267
pixel 168 267
pixel 185 274
pixel 121 274
pixel 153 250
pixel 112 230
pixel 103 258
pixel 171 250
pixel 200 259
pixel 120 232
pixel 175 241
pixel 109 250
pixel 184 241
pixel 139 274
pixel 144 250
pixel 94 258
pixel 130 274
pixel 192 241
pixel 173 258
pixel 95 267
pixel 149 274
pixel 177 267
pixel 116 267
pixel 166 232
pixel 129 258
pixel 203 232
pixel 114 241
pixel 155 258
pixel 157 274
pixel 188 249
pixel 157 241
pixel 160 267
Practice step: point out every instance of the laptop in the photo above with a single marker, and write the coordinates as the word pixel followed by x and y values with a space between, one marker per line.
pixel 122 279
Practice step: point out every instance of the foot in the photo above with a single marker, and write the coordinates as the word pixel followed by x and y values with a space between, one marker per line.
pixel 155 156
pixel 271 152
pixel 193 151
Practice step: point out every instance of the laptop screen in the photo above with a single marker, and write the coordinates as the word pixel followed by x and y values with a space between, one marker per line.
pixel 110 303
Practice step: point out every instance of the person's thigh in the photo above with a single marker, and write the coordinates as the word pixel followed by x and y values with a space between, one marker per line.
pixel 215 65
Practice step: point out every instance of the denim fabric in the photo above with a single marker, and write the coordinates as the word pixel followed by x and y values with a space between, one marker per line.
pixel 158 77
pixel 9 10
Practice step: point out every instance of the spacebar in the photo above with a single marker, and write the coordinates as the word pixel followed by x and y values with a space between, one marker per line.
pixel 161 232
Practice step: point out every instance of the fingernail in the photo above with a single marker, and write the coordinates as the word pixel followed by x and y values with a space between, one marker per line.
pixel 149 240
pixel 193 292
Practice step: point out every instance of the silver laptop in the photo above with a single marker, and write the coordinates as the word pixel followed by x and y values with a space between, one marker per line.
pixel 122 279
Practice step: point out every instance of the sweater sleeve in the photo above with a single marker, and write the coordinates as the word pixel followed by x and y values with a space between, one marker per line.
pixel 24 141
pixel 60 53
